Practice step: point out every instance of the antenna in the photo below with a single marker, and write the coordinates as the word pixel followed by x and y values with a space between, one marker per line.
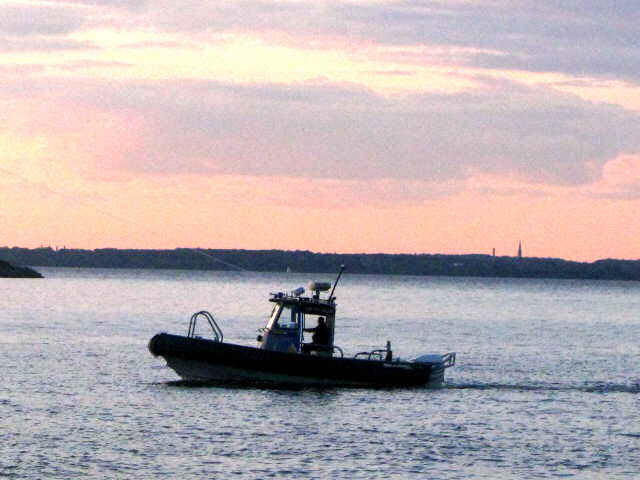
pixel 335 284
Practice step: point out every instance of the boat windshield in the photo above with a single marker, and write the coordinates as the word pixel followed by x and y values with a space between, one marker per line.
pixel 287 318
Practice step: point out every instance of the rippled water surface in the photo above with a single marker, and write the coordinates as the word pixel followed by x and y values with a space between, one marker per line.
pixel 546 384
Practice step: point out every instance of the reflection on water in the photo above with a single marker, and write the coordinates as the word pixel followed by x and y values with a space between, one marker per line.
pixel 546 382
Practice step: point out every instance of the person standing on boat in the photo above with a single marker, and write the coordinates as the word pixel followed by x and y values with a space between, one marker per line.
pixel 320 337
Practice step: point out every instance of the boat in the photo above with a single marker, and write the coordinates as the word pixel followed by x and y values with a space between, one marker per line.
pixel 282 357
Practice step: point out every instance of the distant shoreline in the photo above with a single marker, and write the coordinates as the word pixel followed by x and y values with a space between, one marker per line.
pixel 474 265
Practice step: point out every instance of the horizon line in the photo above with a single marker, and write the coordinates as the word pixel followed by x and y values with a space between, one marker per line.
pixel 195 249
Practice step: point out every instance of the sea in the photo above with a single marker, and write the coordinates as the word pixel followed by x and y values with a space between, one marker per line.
pixel 546 382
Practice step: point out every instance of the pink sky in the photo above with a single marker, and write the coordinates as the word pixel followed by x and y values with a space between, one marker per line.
pixel 339 126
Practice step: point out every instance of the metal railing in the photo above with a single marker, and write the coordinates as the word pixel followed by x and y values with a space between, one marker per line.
pixel 217 332
pixel 449 359
pixel 373 355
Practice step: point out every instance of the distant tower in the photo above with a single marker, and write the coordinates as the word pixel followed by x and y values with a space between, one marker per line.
pixel 520 249
pixel 494 252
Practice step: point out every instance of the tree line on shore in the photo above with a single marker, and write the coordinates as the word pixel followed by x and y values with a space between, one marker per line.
pixel 309 262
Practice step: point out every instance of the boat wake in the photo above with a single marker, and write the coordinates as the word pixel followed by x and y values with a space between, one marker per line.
pixel 594 387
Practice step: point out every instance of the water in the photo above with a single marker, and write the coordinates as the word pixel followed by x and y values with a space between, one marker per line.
pixel 546 385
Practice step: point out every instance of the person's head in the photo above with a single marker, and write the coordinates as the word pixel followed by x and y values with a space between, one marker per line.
pixel 320 320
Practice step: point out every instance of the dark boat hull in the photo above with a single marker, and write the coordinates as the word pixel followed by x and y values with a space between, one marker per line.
pixel 201 360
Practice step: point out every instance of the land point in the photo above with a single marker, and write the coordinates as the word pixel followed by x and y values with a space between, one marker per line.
pixel 10 271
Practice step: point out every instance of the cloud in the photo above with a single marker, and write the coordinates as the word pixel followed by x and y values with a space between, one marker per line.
pixel 620 180
pixel 334 131
pixel 27 20
pixel 26 27
pixel 583 38
pixel 42 44
pixel 91 64
pixel 20 70
pixel 328 132
pixel 131 4
pixel 580 38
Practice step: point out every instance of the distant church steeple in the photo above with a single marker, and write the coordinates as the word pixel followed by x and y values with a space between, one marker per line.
pixel 520 249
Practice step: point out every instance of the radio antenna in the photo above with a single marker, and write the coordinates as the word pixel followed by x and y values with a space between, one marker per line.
pixel 335 284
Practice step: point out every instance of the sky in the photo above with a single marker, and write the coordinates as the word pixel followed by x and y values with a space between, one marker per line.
pixel 352 126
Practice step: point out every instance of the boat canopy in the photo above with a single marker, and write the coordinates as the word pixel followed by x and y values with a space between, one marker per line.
pixel 286 326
